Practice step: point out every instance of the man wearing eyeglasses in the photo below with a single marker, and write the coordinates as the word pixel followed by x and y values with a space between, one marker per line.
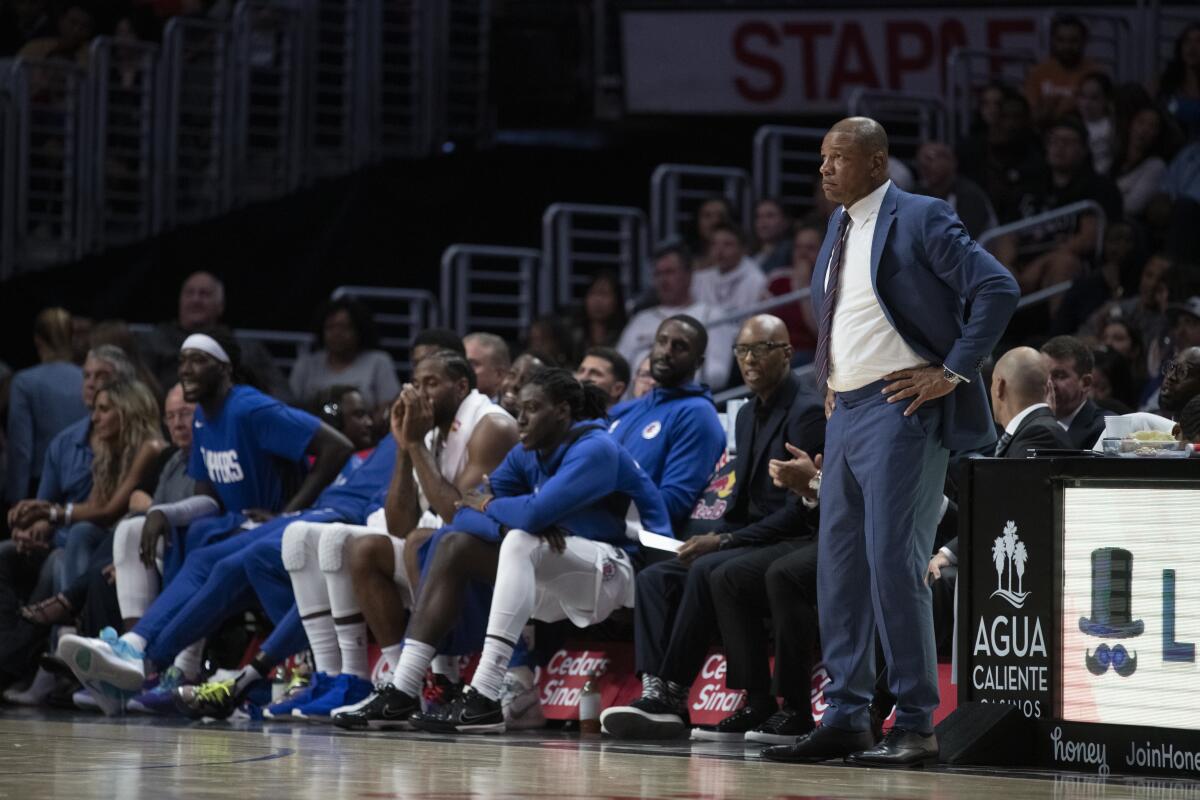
pixel 1181 382
pixel 675 614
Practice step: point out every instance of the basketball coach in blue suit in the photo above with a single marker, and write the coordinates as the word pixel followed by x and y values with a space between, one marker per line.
pixel 908 309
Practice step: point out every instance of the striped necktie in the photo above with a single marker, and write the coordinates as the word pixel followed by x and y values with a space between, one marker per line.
pixel 830 301
pixel 1002 445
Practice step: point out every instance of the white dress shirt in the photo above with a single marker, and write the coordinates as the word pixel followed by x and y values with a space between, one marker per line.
pixel 1066 421
pixel 863 345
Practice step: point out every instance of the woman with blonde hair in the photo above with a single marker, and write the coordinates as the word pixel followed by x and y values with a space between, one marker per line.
pixel 127 441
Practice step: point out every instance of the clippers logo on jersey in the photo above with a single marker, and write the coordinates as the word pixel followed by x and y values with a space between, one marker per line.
pixel 222 465
pixel 651 430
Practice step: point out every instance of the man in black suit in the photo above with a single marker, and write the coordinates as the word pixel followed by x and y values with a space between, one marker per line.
pixel 1019 395
pixel 674 608
pixel 1070 362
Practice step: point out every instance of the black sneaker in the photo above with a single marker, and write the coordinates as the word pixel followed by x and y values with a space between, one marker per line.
pixel 470 712
pixel 734 727
pixel 645 718
pixel 386 708
pixel 785 726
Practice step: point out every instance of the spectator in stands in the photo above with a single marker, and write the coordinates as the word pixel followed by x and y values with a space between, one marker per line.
pixel 643 381
pixel 1181 381
pixel 1070 364
pixel 1145 311
pixel 22 21
pixel 1145 146
pixel 116 332
pixel 1068 179
pixel 722 577
pixel 431 340
pixel 1125 340
pixel 489 357
pixel 201 305
pixel 43 400
pixel 937 167
pixel 346 354
pixel 772 249
pixel 798 316
pixel 1104 287
pixel 75 25
pixel 1094 99
pixel 606 368
pixel 1006 158
pixel 1051 86
pixel 1112 382
pixel 602 317
pixel 1179 87
pixel 344 409
pixel 548 336
pixel 1174 213
pixel 522 370
pixel 673 284
pixel 736 282
pixel 1189 422
pixel 712 212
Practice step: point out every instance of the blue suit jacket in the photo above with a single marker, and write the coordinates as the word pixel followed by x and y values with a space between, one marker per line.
pixel 949 299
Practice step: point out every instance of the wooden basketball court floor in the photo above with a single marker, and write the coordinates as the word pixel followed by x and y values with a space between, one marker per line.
pixel 64 755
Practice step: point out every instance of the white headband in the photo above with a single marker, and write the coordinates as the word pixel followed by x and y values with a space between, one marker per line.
pixel 206 344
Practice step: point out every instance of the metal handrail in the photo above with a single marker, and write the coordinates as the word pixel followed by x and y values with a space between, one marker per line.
pixel 765 305
pixel 927 111
pixel 769 156
pixel 631 261
pixel 1038 220
pixel 457 278
pixel 663 191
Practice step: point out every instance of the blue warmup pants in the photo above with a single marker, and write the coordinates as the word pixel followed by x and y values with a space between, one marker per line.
pixel 201 533
pixel 224 581
pixel 881 492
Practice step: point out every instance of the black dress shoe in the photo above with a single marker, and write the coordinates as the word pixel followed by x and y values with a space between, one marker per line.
pixel 900 748
pixel 822 744
pixel 878 717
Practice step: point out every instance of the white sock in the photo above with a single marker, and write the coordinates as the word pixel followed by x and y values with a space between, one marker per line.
pixel 489 675
pixel 189 660
pixel 352 648
pixel 136 640
pixel 409 673
pixel 391 657
pixel 447 666
pixel 323 641
pixel 249 675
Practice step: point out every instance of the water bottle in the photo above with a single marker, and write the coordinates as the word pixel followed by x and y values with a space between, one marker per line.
pixel 589 705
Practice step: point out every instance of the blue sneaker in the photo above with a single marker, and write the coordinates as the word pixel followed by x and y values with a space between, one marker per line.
pixel 160 698
pixel 299 692
pixel 344 690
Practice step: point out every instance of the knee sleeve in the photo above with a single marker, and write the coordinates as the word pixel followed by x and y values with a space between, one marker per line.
pixel 332 553
pixel 300 539
pixel 333 544
pixel 520 544
pixel 127 541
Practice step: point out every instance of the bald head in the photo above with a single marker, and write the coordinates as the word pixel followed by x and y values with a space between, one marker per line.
pixel 764 328
pixel 866 133
pixel 201 301
pixel 764 354
pixel 1019 381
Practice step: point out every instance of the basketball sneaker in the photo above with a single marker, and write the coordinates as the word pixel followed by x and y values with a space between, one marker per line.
pixel 385 708
pixel 300 690
pixel 215 699
pixel 342 691
pixel 732 728
pixel 470 712
pixel 106 660
pixel 158 696
pixel 648 717
pixel 785 726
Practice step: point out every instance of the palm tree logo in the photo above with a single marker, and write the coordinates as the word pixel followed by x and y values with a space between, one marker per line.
pixel 1010 555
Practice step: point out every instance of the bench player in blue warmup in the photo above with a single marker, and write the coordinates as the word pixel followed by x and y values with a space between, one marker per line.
pixel 244 443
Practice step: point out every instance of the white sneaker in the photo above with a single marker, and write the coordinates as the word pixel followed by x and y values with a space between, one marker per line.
pixel 521 705
pixel 106 660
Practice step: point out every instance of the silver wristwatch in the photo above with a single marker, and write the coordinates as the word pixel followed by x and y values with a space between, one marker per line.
pixel 951 377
